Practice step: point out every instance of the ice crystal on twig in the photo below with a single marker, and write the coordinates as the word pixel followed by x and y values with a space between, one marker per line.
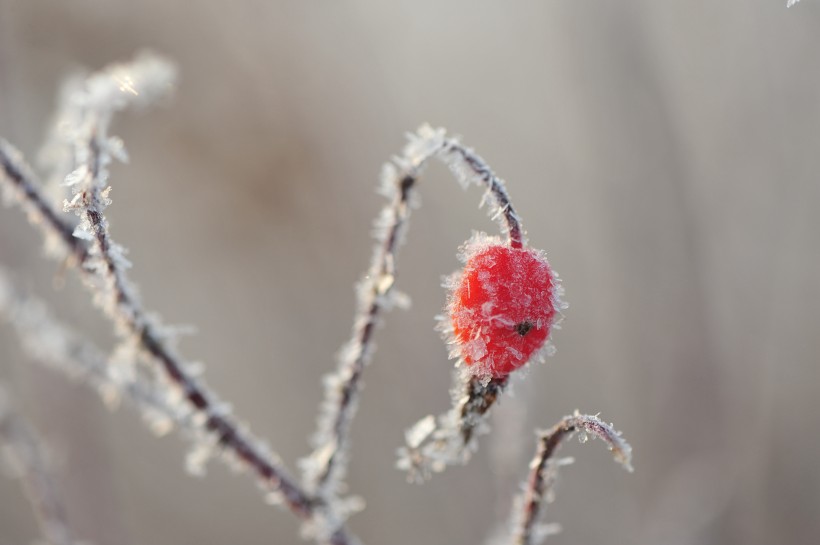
pixel 19 186
pixel 92 106
pixel 544 470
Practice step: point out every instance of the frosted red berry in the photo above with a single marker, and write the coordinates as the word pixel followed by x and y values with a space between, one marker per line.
pixel 502 307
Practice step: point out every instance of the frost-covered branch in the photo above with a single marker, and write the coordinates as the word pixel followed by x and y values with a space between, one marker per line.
pixel 50 343
pixel 325 467
pixel 20 186
pixel 103 94
pixel 28 458
pixel 102 266
pixel 544 470
pixel 168 387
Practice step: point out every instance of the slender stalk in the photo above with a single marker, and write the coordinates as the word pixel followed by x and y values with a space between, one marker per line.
pixel 543 469
pixel 22 187
pixel 495 186
pixel 477 401
pixel 326 466
pixel 227 433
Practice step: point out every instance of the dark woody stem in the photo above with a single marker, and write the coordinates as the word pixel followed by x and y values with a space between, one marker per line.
pixel 128 313
pixel 480 397
pixel 496 188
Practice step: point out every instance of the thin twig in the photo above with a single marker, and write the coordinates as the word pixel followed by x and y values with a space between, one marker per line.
pixel 24 189
pixel 27 453
pixel 495 186
pixel 432 444
pixel 543 469
pixel 103 273
pixel 478 400
pixel 226 431
pixel 325 467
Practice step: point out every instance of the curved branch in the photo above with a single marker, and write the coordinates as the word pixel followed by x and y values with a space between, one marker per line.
pixel 544 467
pixel 326 466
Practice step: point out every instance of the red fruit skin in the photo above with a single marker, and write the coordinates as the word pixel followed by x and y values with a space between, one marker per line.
pixel 502 308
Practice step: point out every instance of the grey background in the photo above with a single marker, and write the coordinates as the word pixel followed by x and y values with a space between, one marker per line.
pixel 665 154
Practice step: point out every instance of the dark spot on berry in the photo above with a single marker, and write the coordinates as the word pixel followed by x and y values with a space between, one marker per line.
pixel 523 328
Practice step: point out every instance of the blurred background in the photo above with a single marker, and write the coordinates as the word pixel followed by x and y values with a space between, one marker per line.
pixel 664 154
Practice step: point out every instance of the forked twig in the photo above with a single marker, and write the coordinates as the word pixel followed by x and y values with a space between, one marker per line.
pixel 102 267
pixel 169 389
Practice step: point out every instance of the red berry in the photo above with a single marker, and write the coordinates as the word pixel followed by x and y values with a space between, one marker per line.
pixel 502 307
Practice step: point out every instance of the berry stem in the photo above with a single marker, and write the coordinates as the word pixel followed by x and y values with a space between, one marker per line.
pixel 496 188
pixel 325 467
pixel 477 401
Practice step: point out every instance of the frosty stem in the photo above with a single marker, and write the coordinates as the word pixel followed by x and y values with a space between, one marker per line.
pixel 101 265
pixel 27 453
pixel 480 396
pixel 326 465
pixel 128 313
pixel 543 469
pixel 20 183
pixel 495 186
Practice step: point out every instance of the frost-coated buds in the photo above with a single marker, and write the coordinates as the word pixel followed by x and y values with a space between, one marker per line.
pixel 502 306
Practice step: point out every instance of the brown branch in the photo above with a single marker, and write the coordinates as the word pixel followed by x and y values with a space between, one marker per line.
pixel 127 311
pixel 326 465
pixel 23 186
pixel 544 467
pixel 496 187
pixel 118 302
pixel 375 293
pixel 477 401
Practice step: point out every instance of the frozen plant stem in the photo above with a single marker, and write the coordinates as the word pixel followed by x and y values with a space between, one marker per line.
pixel 477 401
pixel 27 454
pixel 171 387
pixel 543 469
pixel 21 187
pixel 326 467
pixel 100 263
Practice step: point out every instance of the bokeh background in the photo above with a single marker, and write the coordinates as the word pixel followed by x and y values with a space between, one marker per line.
pixel 665 154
